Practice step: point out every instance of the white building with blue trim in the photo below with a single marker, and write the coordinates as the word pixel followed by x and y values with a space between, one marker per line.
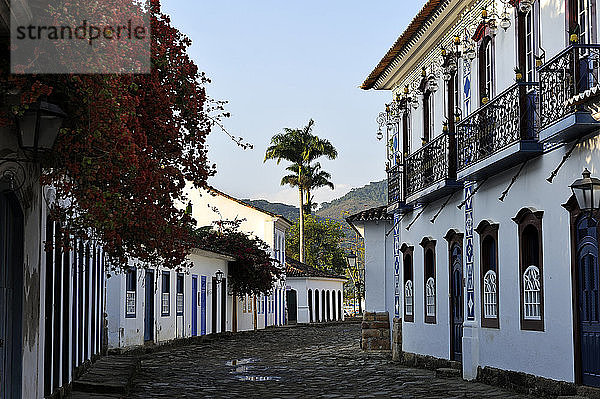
pixel 489 124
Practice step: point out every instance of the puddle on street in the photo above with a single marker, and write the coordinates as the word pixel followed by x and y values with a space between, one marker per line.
pixel 243 366
pixel 256 378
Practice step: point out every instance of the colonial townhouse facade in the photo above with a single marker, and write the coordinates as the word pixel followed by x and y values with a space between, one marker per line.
pixel 209 207
pixel 157 305
pixel 495 241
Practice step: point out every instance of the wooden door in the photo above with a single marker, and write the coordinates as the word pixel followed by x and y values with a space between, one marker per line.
pixel 588 301
pixel 149 305
pixel 456 303
pixel 194 306
pixel 292 301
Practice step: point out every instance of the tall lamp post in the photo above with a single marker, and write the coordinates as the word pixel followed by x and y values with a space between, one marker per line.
pixel 355 274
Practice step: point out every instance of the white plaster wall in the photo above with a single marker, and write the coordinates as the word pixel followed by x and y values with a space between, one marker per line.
pixel 377 260
pixel 508 347
pixel 127 332
pixel 303 284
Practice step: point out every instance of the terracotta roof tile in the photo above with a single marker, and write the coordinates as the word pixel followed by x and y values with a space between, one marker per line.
pixel 294 268
pixel 413 28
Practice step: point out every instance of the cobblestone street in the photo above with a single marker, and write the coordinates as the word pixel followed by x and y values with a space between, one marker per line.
pixel 301 362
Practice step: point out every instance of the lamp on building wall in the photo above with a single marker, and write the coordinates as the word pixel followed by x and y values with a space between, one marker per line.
pixel 219 276
pixel 38 127
pixel 351 258
pixel 525 6
pixel 587 192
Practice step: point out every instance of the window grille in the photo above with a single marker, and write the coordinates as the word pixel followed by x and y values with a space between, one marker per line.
pixel 130 304
pixel 532 299
pixel 490 297
pixel 430 296
pixel 179 304
pixel 408 297
pixel 165 304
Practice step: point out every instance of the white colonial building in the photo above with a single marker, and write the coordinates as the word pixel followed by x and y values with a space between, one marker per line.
pixel 313 295
pixel 375 227
pixel 147 305
pixel 51 300
pixel 210 207
pixel 489 124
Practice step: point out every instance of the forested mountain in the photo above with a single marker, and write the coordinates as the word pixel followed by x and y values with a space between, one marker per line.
pixel 358 199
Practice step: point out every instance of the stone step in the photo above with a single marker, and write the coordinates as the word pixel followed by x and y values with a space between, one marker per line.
pixel 108 377
pixel 455 365
pixel 447 372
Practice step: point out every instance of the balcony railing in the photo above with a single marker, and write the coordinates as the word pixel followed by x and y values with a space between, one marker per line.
pixel 395 185
pixel 571 72
pixel 507 119
pixel 430 164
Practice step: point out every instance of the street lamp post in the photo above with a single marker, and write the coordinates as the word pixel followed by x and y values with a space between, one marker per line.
pixel 351 258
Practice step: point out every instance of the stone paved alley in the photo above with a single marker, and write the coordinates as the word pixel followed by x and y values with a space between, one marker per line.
pixel 300 362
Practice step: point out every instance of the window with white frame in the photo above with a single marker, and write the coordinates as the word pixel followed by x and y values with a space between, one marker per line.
pixel 130 293
pixel 430 297
pixel 408 298
pixel 532 294
pixel 486 70
pixel 407 269
pixel 531 268
pixel 584 19
pixel 428 245
pixel 490 298
pixel 179 298
pixel 166 294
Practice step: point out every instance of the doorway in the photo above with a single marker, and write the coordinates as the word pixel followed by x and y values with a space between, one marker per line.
pixel 588 301
pixel 292 302
pixel 456 303
pixel 149 306
pixel 194 306
pixel 11 295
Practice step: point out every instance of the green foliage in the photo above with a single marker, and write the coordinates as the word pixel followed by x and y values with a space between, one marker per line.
pixel 289 212
pixel 358 199
pixel 322 244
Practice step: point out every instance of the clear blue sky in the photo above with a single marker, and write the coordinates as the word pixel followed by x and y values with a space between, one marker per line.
pixel 280 63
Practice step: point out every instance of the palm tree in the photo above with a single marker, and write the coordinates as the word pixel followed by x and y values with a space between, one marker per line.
pixel 301 148
pixel 314 178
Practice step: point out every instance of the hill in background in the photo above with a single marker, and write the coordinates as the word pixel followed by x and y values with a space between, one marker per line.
pixel 358 199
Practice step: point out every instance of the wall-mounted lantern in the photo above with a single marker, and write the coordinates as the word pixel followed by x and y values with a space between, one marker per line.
pixel 38 127
pixel 587 192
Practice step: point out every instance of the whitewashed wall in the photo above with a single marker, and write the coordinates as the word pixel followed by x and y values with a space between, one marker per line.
pixel 331 286
pixel 125 332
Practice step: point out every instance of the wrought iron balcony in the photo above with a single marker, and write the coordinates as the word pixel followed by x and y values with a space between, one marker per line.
pixel 568 74
pixel 500 134
pixel 431 170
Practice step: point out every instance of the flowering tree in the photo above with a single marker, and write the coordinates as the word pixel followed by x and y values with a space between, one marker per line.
pixel 127 148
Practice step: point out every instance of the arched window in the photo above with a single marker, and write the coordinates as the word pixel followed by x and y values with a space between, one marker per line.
pixel 531 268
pixel 317 301
pixel 428 245
pixel 310 306
pixel 486 70
pixel 408 282
pixel 490 298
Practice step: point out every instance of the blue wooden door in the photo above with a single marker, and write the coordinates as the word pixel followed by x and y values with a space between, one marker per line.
pixel 194 306
pixel 203 305
pixel 588 301
pixel 456 304
pixel 149 306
